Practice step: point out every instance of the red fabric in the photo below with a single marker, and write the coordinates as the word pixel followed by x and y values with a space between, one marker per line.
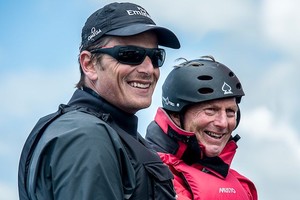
pixel 247 184
pixel 192 183
pixel 163 120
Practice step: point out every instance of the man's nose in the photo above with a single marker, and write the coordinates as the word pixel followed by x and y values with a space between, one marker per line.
pixel 221 120
pixel 146 66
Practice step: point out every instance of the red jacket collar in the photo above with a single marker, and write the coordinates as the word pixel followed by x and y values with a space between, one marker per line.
pixel 164 121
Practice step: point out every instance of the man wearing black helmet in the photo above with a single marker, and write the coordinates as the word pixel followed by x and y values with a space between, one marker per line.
pixel 90 148
pixel 193 131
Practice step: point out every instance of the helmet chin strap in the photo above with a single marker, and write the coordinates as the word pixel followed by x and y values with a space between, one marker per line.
pixel 181 120
pixel 178 118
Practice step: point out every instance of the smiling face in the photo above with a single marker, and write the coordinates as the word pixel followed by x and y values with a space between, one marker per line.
pixel 212 122
pixel 129 88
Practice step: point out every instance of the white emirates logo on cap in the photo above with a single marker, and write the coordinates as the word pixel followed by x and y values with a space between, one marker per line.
pixel 140 11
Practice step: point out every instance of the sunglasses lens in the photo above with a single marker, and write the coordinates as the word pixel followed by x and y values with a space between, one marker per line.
pixel 158 57
pixel 133 56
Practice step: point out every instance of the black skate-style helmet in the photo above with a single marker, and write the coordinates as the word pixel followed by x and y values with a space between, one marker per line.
pixel 197 81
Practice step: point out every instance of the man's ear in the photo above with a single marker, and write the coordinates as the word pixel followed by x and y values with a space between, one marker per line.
pixel 87 65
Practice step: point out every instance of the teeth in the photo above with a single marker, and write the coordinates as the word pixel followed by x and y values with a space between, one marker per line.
pixel 214 135
pixel 139 85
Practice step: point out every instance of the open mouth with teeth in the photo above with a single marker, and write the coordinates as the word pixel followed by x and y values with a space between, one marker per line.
pixel 214 135
pixel 140 85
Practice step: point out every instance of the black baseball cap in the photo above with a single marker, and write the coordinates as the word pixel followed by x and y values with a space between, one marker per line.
pixel 124 19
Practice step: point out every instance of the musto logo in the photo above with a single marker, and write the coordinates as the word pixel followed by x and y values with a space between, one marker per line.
pixel 227 190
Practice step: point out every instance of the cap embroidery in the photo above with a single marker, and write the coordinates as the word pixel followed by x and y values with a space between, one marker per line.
pixel 140 11
pixel 226 88
pixel 94 33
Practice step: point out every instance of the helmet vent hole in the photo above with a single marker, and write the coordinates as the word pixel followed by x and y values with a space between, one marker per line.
pixel 231 74
pixel 205 78
pixel 195 64
pixel 238 86
pixel 205 90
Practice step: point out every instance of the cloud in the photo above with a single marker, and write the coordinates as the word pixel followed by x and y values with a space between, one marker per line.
pixel 276 87
pixel 261 124
pixel 280 23
pixel 29 90
pixel 7 192
pixel 269 153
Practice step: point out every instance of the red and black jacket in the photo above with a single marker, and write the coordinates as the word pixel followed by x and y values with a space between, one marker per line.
pixel 195 175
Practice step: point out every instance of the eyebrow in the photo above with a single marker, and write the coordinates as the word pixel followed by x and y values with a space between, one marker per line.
pixel 233 106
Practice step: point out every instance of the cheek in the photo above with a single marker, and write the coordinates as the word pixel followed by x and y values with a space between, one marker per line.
pixel 231 124
pixel 156 74
pixel 193 125
pixel 198 119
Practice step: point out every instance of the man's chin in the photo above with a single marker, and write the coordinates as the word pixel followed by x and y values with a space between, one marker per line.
pixel 212 152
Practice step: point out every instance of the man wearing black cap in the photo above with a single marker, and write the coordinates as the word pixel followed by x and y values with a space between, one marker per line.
pixel 90 148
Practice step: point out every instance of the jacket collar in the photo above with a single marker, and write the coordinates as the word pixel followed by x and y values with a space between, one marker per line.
pixel 164 122
pixel 86 97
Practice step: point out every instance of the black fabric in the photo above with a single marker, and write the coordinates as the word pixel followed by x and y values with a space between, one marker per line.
pixel 29 147
pixel 193 153
pixel 216 164
pixel 128 122
pixel 160 142
pixel 179 137
pixel 161 176
pixel 154 180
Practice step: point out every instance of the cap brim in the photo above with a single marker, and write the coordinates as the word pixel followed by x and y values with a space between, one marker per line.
pixel 165 37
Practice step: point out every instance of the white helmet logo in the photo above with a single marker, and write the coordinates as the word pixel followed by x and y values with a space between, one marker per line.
pixel 226 88
pixel 168 102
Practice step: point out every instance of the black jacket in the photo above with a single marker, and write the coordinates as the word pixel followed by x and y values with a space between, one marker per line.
pixel 93 151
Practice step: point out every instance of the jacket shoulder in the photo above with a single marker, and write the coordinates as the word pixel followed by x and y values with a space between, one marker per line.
pixel 247 184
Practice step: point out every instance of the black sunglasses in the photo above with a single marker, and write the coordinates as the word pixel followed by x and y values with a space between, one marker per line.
pixel 133 55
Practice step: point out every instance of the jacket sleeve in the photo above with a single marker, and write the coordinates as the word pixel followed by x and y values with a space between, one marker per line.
pixel 81 162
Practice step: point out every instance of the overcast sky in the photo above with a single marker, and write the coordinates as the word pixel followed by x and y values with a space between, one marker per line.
pixel 258 40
